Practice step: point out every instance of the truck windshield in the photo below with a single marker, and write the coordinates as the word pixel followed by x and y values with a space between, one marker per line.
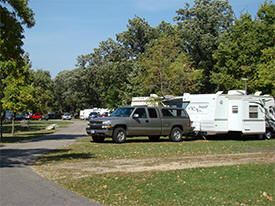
pixel 122 112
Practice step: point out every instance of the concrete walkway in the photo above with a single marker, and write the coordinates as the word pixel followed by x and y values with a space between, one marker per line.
pixel 21 186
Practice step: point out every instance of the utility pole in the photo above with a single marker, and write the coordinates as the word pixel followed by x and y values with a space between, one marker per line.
pixel 245 85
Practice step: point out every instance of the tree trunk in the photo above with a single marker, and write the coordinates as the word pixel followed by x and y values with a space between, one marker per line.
pixel 1 124
pixel 12 126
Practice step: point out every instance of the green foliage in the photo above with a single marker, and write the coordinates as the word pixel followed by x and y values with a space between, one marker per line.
pixel 168 70
pixel 248 51
pixel 202 53
pixel 13 15
pixel 200 28
pixel 43 91
pixel 139 33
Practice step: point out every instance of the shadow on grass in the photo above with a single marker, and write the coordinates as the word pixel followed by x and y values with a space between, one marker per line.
pixel 61 157
pixel 229 137
pixel 22 137
pixel 26 157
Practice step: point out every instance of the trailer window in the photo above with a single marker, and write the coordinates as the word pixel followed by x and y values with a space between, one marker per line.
pixel 234 109
pixel 253 111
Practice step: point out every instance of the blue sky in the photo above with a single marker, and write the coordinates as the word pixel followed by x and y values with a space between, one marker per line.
pixel 66 29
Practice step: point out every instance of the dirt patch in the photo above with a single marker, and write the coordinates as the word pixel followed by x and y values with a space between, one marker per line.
pixel 87 168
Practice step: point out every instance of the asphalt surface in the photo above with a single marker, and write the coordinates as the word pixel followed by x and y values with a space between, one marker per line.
pixel 21 186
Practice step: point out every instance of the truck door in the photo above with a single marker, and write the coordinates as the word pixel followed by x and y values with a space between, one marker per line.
pixel 138 122
pixel 154 124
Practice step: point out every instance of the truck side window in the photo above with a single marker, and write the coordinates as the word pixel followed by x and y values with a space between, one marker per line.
pixel 152 113
pixel 141 112
pixel 166 113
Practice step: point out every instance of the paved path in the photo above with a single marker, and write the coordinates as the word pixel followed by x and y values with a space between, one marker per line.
pixel 21 186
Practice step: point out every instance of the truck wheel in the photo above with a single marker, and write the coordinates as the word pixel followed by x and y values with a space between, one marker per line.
pixel 119 135
pixel 98 139
pixel 268 134
pixel 154 138
pixel 176 135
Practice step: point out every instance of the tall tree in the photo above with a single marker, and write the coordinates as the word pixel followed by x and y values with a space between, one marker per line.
pixel 167 68
pixel 248 52
pixel 139 33
pixel 200 28
pixel 13 15
pixel 43 91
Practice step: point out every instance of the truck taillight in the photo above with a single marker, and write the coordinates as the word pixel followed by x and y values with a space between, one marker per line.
pixel 189 123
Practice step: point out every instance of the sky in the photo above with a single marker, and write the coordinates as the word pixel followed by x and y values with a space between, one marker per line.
pixel 65 29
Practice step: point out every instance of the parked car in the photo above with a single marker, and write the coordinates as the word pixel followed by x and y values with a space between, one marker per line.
pixel 66 116
pixel 105 114
pixel 38 116
pixel 141 121
pixel 93 115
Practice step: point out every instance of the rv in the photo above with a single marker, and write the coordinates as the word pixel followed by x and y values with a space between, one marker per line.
pixel 84 114
pixel 213 114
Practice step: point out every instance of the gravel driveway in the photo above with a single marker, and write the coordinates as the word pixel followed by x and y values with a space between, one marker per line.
pixel 20 185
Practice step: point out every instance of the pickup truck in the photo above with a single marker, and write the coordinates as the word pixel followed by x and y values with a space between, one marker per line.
pixel 141 121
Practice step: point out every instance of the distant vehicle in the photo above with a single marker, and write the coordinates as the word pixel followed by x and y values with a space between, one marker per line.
pixel 141 121
pixel 38 116
pixel 84 114
pixel 66 116
pixel 93 115
pixel 105 114
pixel 51 115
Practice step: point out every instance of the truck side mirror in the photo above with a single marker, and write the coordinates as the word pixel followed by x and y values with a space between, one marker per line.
pixel 136 116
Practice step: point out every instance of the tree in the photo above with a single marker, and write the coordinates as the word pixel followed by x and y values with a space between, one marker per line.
pixel 139 34
pixel 18 96
pixel 167 68
pixel 248 51
pixel 43 91
pixel 12 19
pixel 200 27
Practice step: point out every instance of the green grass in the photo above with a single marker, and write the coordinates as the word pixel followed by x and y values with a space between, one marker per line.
pixel 251 184
pixel 142 148
pixel 234 185
pixel 35 129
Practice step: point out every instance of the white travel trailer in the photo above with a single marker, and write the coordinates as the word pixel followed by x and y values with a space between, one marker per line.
pixel 84 114
pixel 146 101
pixel 219 113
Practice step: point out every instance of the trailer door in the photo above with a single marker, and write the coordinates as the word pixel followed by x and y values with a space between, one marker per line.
pixel 235 113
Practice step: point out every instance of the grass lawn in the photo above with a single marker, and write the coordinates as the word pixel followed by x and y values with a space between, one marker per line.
pixel 234 185
pixel 142 148
pixel 35 129
pixel 246 184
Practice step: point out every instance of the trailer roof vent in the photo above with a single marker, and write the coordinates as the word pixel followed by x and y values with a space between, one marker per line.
pixel 236 92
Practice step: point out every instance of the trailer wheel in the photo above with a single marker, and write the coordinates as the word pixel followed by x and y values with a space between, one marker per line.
pixel 119 135
pixel 176 135
pixel 98 139
pixel 268 134
pixel 154 138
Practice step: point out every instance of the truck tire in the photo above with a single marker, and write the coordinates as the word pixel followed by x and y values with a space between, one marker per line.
pixel 98 139
pixel 119 135
pixel 176 135
pixel 154 138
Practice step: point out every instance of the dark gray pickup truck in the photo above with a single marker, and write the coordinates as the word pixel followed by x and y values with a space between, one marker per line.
pixel 141 121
